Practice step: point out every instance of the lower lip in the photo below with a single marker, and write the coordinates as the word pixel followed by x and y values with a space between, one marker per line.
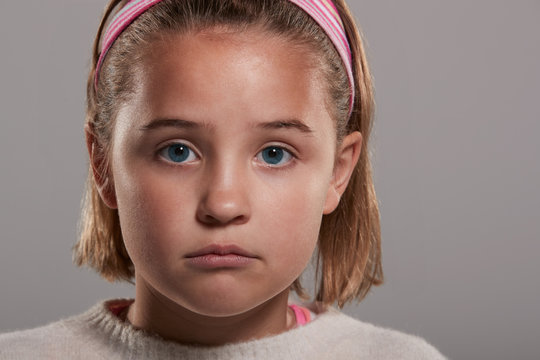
pixel 216 261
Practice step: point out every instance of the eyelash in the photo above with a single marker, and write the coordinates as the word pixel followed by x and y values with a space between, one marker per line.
pixel 281 152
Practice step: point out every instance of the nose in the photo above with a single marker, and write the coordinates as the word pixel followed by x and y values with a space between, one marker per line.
pixel 224 197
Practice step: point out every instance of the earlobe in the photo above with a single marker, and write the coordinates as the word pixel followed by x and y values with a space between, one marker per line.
pixel 332 200
pixel 100 169
pixel 346 159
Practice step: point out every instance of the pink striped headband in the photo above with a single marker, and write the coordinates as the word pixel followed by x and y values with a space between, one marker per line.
pixel 323 12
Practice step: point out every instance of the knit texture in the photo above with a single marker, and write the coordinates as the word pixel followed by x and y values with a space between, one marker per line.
pixel 99 334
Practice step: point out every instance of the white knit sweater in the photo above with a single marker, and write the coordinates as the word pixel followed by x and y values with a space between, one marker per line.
pixel 99 334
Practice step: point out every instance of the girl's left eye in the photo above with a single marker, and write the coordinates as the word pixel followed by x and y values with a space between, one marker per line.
pixel 274 155
pixel 178 153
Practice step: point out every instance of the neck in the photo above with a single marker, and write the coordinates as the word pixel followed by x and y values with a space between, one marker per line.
pixel 158 314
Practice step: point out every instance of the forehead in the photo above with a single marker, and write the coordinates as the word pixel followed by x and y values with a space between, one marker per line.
pixel 221 70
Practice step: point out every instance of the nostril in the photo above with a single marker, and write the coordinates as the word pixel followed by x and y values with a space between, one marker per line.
pixel 239 220
pixel 222 221
pixel 208 219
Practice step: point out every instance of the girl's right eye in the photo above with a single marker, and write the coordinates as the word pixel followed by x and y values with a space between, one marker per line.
pixel 177 153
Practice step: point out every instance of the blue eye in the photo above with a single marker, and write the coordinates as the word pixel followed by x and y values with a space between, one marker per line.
pixel 274 155
pixel 178 153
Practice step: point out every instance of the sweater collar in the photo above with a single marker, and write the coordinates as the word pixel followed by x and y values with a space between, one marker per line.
pixel 135 343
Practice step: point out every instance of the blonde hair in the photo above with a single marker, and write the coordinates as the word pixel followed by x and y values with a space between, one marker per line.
pixel 349 249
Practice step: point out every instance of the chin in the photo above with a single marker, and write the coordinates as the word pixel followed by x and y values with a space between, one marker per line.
pixel 220 307
pixel 225 302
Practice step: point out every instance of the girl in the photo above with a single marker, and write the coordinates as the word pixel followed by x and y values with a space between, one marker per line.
pixel 227 141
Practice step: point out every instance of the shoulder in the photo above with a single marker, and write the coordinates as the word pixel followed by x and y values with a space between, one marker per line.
pixel 349 338
pixel 28 344
pixel 64 339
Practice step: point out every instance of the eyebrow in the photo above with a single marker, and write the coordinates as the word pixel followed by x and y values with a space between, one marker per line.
pixel 186 124
pixel 175 123
pixel 286 124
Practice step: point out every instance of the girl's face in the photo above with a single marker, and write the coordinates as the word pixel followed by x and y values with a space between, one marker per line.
pixel 223 165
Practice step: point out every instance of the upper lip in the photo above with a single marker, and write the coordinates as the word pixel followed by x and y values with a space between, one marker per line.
pixel 220 250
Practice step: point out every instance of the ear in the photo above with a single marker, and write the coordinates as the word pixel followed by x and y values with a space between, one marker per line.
pixel 100 169
pixel 346 158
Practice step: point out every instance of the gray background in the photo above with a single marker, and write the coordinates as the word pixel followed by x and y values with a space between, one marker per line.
pixel 455 156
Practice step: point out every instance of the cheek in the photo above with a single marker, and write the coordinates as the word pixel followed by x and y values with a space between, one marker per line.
pixel 293 218
pixel 295 211
pixel 150 214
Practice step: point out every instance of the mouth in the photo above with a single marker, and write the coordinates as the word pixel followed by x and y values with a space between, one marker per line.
pixel 219 257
